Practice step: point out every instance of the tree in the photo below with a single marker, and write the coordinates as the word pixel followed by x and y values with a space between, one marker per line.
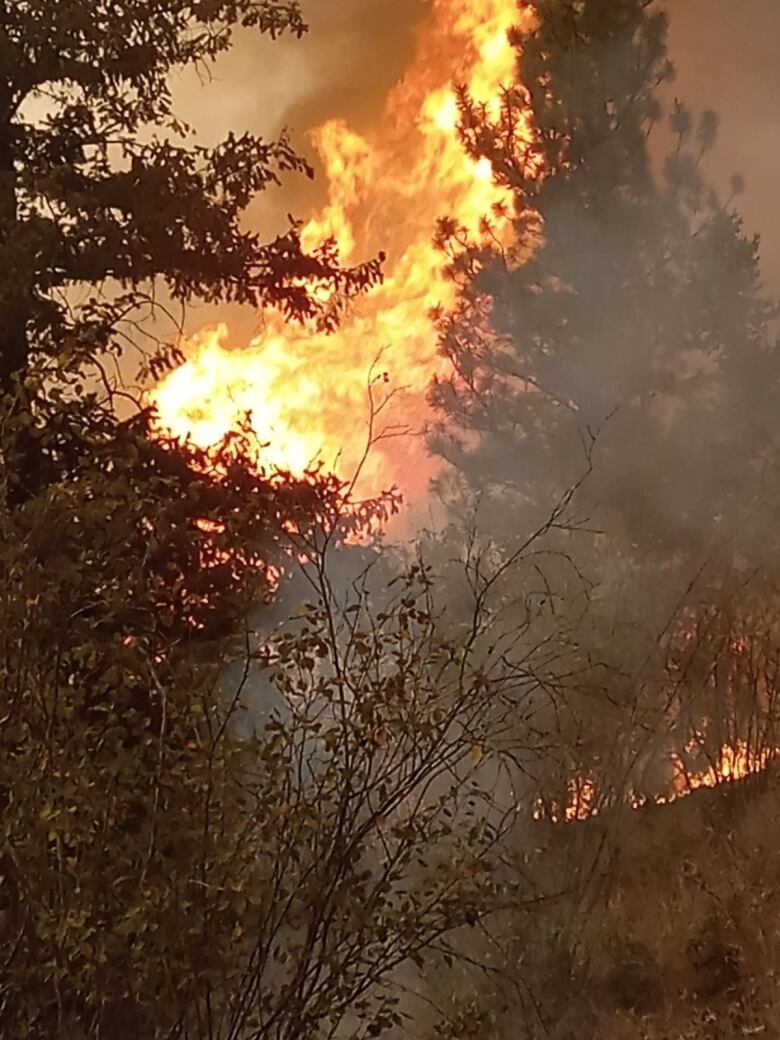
pixel 630 303
pixel 103 201
pixel 128 563
pixel 115 778
pixel 628 311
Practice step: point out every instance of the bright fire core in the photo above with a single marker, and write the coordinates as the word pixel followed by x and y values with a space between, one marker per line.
pixel 308 394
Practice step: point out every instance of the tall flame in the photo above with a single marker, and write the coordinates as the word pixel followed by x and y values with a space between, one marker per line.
pixel 320 398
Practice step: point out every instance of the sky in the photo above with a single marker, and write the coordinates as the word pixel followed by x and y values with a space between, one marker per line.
pixel 725 52
pixel 727 60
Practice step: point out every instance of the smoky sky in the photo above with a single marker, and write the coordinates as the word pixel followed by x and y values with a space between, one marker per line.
pixel 345 65
pixel 343 68
pixel 725 52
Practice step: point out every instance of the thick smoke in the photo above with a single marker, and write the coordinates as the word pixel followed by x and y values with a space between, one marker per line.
pixel 344 66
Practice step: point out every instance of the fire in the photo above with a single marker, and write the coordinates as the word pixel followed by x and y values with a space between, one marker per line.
pixel 320 399
pixel 732 762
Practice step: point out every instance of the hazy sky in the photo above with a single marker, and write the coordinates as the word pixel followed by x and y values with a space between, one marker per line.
pixel 725 51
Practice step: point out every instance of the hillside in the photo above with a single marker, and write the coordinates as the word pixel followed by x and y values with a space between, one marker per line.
pixel 672 927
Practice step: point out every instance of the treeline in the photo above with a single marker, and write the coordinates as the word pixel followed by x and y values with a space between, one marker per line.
pixel 263 775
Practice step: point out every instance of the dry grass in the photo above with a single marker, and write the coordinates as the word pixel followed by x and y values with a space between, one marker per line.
pixel 684 938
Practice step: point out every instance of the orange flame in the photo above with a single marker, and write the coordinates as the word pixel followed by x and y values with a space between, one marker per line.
pixel 733 762
pixel 315 398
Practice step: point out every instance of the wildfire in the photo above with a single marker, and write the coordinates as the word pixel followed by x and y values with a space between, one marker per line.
pixel 316 398
pixel 733 762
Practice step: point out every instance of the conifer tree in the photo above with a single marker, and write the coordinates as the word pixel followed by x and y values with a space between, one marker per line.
pixel 624 335
pixel 631 305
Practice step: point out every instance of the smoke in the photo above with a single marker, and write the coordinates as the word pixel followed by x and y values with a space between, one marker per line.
pixel 726 59
pixel 343 67
pixel 357 49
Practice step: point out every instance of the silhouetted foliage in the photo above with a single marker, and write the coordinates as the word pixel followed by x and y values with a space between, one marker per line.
pixel 128 563
pixel 105 204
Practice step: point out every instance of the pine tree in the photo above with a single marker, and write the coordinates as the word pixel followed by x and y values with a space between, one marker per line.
pixel 631 306
pixel 623 338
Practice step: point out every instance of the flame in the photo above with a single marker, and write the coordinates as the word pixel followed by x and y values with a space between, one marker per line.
pixel 321 399
pixel 735 761
pixel 732 762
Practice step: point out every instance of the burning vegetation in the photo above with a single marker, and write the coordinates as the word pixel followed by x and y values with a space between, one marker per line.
pixel 323 399
pixel 451 177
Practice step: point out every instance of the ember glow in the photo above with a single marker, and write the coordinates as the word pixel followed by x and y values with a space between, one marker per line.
pixel 311 397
